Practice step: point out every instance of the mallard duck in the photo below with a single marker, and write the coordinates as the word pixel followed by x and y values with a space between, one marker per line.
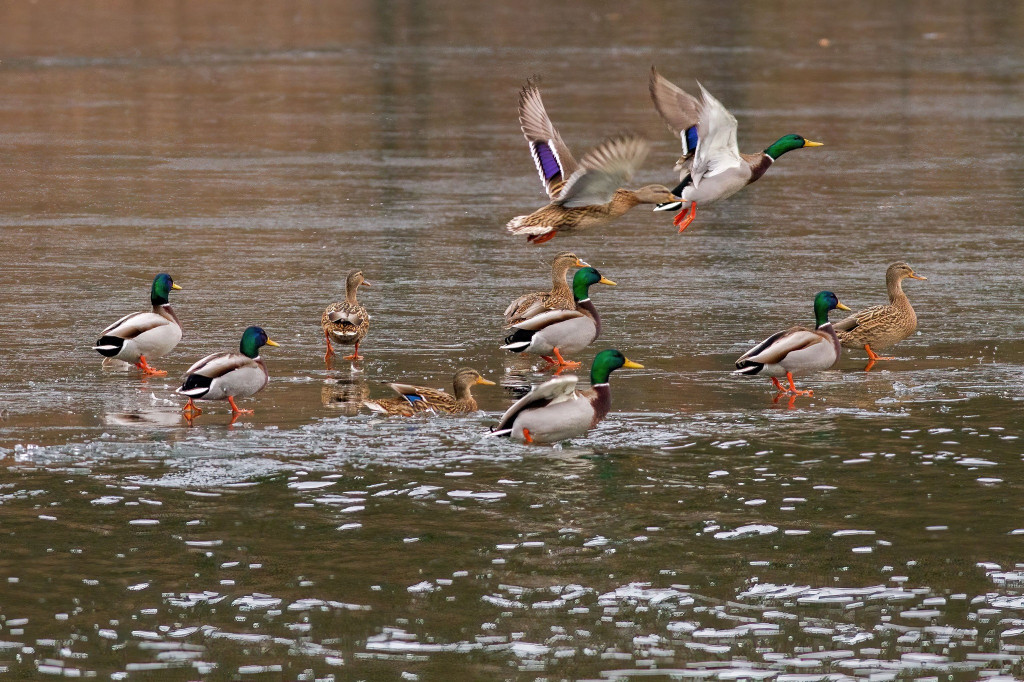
pixel 582 194
pixel 558 331
pixel 422 399
pixel 555 410
pixel 711 167
pixel 152 334
pixel 226 376
pixel 797 350
pixel 559 298
pixel 347 322
pixel 882 326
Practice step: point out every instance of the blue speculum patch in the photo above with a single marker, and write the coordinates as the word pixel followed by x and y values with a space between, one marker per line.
pixel 691 139
pixel 548 163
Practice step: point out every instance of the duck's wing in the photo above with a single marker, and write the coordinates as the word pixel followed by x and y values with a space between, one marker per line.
pixel 868 318
pixel 219 364
pixel 546 319
pixel 346 313
pixel 422 397
pixel 134 324
pixel 775 348
pixel 552 391
pixel 603 170
pixel 680 111
pixel 716 150
pixel 550 154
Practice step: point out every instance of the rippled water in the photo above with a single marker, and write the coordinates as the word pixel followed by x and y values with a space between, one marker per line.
pixel 702 531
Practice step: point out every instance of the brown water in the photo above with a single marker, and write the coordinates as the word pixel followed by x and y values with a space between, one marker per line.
pixel 873 531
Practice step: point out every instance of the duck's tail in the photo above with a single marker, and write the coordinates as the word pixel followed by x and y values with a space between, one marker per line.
pixel 748 367
pixel 535 234
pixel 109 346
pixel 519 340
pixel 500 433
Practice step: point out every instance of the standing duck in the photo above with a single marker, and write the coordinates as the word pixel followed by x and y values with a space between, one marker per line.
pixel 882 326
pixel 347 322
pixel 711 166
pixel 558 331
pixel 559 298
pixel 416 399
pixel 138 335
pixel 797 350
pixel 582 194
pixel 555 410
pixel 226 376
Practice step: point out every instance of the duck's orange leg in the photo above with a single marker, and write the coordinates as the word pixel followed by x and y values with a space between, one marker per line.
pixel 146 369
pixel 794 389
pixel 563 363
pixel 191 408
pixel 235 409
pixel 873 356
pixel 541 238
pixel 527 438
pixel 684 222
pixel 355 354
pixel 780 387
pixel 330 349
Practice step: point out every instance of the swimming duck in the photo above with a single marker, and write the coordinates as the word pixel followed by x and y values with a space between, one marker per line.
pixel 582 194
pixel 882 326
pixel 138 335
pixel 423 399
pixel 797 350
pixel 228 375
pixel 555 410
pixel 559 298
pixel 711 166
pixel 347 322
pixel 558 331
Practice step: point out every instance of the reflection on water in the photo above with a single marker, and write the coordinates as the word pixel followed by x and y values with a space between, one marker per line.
pixel 871 531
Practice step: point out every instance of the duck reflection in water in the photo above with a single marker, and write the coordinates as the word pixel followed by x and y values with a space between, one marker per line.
pixel 345 394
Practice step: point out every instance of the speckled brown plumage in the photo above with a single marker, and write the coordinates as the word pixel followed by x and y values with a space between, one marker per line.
pixel 882 326
pixel 559 298
pixel 416 399
pixel 346 323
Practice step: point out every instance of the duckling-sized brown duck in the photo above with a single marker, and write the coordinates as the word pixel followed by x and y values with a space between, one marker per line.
pixel 882 326
pixel 347 322
pixel 415 399
pixel 582 194
pixel 559 298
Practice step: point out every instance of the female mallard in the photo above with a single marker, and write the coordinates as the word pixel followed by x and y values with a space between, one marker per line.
pixel 882 326
pixel 711 167
pixel 138 335
pixel 228 375
pixel 562 330
pixel 555 410
pixel 559 298
pixel 422 399
pixel 582 194
pixel 347 322
pixel 797 350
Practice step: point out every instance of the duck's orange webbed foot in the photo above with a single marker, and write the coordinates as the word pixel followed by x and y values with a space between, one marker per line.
pixel 191 409
pixel 235 409
pixel 330 349
pixel 541 238
pixel 792 387
pixel 527 438
pixel 873 356
pixel 684 218
pixel 355 354
pixel 563 363
pixel 147 370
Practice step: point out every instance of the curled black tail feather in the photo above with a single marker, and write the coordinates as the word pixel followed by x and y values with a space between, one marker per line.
pixel 748 367
pixel 519 336
pixel 109 346
pixel 194 383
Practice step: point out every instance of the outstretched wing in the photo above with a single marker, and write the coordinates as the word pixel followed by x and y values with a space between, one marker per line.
pixel 604 169
pixel 552 157
pixel 716 151
pixel 679 110
pixel 554 390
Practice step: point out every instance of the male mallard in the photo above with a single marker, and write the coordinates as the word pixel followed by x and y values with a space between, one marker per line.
pixel 559 298
pixel 562 330
pixel 555 410
pixel 422 399
pixel 711 167
pixel 135 336
pixel 347 322
pixel 882 326
pixel 228 375
pixel 582 194
pixel 797 350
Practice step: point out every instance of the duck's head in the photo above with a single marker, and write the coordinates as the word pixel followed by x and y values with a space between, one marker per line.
pixel 466 377
pixel 162 285
pixel 788 143
pixel 606 362
pixel 354 279
pixel 568 259
pixel 900 271
pixel 253 339
pixel 655 194
pixel 824 302
pixel 582 280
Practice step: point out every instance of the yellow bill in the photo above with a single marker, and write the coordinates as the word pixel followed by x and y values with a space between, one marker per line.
pixel 605 280
pixel 811 143
pixel 632 365
pixel 272 343
pixel 485 382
